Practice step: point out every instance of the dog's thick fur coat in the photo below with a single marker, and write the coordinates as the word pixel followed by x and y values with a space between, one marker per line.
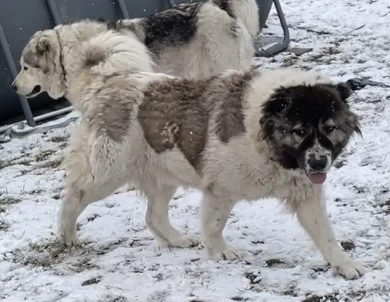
pixel 198 40
pixel 162 132
pixel 232 136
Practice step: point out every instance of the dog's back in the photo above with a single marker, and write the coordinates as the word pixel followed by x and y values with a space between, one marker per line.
pixel 198 40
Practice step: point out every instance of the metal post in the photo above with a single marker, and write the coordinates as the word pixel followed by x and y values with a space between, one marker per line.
pixel 123 9
pixel 11 65
pixel 278 47
pixel 54 11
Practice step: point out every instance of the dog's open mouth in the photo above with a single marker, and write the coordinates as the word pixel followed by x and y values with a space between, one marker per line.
pixel 317 178
pixel 34 92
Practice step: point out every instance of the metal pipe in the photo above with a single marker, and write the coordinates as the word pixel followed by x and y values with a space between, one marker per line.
pixel 11 64
pixel 123 9
pixel 19 129
pixel 53 113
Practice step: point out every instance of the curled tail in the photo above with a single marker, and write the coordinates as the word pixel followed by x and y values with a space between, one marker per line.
pixel 112 52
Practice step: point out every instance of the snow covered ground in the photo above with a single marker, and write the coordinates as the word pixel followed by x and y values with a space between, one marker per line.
pixel 120 261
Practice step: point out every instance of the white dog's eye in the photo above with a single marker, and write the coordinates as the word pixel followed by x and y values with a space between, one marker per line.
pixel 299 132
pixel 25 68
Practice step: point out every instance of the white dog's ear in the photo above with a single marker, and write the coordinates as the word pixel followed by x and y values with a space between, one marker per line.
pixel 44 46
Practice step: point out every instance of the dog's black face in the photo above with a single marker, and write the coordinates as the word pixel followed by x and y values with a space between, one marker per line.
pixel 307 127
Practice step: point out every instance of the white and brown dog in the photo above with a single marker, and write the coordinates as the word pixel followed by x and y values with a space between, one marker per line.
pixel 235 136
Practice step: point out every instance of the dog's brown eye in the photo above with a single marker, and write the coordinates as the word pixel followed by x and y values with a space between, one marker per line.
pixel 299 132
pixel 329 129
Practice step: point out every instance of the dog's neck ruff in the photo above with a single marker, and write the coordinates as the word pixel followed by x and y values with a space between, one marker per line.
pixel 61 57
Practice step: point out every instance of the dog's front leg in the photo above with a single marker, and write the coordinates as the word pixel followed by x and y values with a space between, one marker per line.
pixel 313 217
pixel 215 213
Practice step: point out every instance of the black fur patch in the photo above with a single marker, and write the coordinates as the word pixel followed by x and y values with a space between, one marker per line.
pixel 175 26
pixel 308 106
pixel 172 27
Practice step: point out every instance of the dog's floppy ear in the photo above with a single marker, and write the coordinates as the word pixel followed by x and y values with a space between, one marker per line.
pixel 353 122
pixel 344 90
pixel 44 46
pixel 272 110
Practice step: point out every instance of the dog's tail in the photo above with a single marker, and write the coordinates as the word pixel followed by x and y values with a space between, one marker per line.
pixel 115 52
pixel 246 11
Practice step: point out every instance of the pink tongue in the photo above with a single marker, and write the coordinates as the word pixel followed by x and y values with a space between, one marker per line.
pixel 317 178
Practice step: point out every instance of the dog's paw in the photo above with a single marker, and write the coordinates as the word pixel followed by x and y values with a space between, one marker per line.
pixel 228 253
pixel 69 240
pixel 182 242
pixel 351 270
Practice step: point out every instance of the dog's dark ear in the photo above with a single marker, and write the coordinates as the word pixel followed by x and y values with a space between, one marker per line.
pixel 277 103
pixel 353 122
pixel 272 110
pixel 344 91
pixel 358 130
pixel 43 46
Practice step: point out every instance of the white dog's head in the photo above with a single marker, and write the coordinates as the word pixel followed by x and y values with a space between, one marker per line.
pixel 41 66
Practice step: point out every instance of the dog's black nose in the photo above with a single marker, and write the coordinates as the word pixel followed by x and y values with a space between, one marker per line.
pixel 318 164
pixel 14 87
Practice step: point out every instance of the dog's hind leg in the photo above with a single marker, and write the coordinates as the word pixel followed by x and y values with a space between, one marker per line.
pixel 215 213
pixel 157 219
pixel 313 217
pixel 77 198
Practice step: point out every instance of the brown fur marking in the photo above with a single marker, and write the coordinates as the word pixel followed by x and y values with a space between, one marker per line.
pixel 177 112
pixel 174 113
pixel 112 109
pixel 31 59
pixel 93 57
pixel 230 120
